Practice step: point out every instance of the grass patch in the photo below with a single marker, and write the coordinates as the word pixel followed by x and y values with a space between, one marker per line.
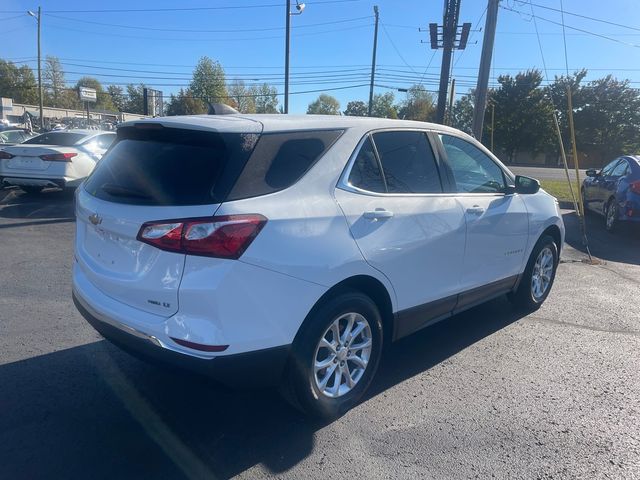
pixel 560 189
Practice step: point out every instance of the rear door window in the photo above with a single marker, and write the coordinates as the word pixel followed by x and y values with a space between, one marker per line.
pixel 169 166
pixel 280 159
pixel 365 172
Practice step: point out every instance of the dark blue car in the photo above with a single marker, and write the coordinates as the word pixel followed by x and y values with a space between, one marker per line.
pixel 614 191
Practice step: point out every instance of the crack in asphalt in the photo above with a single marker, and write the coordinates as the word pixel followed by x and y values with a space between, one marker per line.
pixel 633 333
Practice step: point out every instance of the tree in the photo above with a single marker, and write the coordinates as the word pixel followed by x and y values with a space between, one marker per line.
pixel 57 94
pixel 241 96
pixel 117 97
pixel 135 99
pixel 209 82
pixel 103 99
pixel 324 105
pixel 185 104
pixel 18 83
pixel 383 106
pixel 265 98
pixel 462 114
pixel 356 108
pixel 418 105
pixel 523 116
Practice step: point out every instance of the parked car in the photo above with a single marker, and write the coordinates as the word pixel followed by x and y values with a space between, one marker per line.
pixel 12 136
pixel 614 191
pixel 276 249
pixel 53 159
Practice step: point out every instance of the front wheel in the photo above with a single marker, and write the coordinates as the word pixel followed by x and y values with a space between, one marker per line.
pixel 538 277
pixel 611 216
pixel 335 356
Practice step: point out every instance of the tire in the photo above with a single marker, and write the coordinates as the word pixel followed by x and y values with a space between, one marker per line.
pixel 527 296
pixel 303 387
pixel 31 189
pixel 611 216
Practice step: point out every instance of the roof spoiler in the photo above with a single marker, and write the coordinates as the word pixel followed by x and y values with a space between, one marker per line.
pixel 221 109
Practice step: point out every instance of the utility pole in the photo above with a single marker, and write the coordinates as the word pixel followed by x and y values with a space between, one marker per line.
pixel 37 17
pixel 373 61
pixel 485 64
pixel 449 31
pixel 286 57
pixel 447 40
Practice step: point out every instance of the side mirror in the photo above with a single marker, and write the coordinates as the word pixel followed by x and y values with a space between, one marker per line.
pixel 592 172
pixel 527 185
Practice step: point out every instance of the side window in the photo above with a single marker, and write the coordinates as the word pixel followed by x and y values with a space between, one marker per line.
pixel 408 163
pixel 473 170
pixel 365 172
pixel 621 169
pixel 609 167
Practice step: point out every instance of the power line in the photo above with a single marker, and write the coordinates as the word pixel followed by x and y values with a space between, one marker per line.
pixel 563 12
pixel 187 9
pixel 396 48
pixel 233 30
pixel 569 27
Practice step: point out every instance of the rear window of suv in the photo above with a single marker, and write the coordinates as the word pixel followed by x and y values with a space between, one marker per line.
pixel 62 139
pixel 169 166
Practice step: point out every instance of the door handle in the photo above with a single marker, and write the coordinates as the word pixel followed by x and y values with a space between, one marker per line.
pixel 378 213
pixel 475 210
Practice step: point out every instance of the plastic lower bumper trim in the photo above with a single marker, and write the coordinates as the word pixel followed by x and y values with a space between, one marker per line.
pixel 260 368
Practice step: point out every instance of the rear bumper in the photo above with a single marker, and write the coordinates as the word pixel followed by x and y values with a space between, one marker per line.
pixel 260 368
pixel 34 181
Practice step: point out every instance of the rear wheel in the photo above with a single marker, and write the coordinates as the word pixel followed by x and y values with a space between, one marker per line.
pixel 31 189
pixel 611 216
pixel 335 356
pixel 538 277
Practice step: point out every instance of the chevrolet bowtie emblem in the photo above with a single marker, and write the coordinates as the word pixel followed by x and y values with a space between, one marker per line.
pixel 95 219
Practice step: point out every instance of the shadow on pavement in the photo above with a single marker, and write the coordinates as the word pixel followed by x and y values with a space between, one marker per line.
pixel 49 204
pixel 93 411
pixel 622 246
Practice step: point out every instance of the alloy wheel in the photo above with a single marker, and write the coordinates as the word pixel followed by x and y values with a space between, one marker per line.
pixel 342 355
pixel 542 273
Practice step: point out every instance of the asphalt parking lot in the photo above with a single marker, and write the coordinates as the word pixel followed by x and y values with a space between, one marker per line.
pixel 488 393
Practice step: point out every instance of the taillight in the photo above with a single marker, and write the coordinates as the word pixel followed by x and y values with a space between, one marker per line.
pixel 5 155
pixel 635 187
pixel 226 236
pixel 58 157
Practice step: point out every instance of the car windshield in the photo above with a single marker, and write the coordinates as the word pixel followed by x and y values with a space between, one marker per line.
pixel 63 139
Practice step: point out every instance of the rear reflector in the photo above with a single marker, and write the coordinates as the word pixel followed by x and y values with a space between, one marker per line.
pixel 221 237
pixel 58 157
pixel 200 346
pixel 5 155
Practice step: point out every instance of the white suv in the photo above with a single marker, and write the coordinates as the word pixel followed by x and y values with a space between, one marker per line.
pixel 263 249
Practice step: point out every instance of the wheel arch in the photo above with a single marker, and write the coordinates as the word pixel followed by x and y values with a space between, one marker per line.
pixel 369 286
pixel 554 232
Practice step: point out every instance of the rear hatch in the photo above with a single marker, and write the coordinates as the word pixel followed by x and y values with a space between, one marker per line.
pixel 153 172
pixel 36 157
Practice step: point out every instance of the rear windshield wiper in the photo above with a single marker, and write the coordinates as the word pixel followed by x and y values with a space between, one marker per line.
pixel 120 191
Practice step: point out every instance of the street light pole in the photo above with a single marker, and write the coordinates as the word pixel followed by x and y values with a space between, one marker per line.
pixel 300 8
pixel 37 17
pixel 373 61
pixel 286 58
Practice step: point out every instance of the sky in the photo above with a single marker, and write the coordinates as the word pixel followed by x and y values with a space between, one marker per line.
pixel 331 42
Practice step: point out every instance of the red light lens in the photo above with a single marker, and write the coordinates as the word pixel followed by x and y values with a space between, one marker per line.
pixel 200 346
pixel 5 155
pixel 58 157
pixel 221 237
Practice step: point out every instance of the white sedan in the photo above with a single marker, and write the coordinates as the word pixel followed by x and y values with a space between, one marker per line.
pixel 54 159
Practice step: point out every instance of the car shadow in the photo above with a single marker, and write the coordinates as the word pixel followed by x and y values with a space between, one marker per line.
pixel 93 411
pixel 50 204
pixel 621 246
